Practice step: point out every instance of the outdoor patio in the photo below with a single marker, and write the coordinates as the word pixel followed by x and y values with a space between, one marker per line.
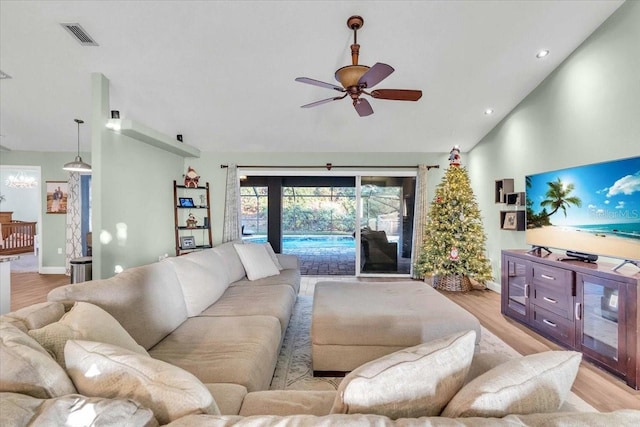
pixel 325 261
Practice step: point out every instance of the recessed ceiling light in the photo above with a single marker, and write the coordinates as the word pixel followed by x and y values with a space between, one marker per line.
pixel 488 111
pixel 542 53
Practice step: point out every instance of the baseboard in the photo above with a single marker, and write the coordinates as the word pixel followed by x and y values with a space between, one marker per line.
pixel 493 286
pixel 53 270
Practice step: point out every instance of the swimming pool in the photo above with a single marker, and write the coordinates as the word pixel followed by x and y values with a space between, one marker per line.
pixel 309 241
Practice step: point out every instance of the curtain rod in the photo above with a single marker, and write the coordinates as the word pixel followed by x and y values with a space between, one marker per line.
pixel 330 166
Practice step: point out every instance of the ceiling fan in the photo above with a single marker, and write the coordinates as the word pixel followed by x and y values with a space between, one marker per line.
pixel 356 78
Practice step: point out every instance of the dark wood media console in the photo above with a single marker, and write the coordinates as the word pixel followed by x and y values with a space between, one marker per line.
pixel 585 307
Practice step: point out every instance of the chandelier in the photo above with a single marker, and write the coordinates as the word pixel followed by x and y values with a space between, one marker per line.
pixel 20 180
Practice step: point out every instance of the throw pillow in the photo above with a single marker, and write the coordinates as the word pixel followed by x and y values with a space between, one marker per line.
pixel 104 370
pixel 273 255
pixel 27 368
pixel 256 261
pixel 84 321
pixel 531 384
pixel 414 382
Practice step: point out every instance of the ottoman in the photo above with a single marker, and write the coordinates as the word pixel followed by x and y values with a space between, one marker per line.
pixel 355 322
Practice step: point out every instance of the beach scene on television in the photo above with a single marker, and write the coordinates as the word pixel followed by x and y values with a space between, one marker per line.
pixel 593 209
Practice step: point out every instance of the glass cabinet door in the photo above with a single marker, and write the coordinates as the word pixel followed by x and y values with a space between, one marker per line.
pixel 515 284
pixel 599 315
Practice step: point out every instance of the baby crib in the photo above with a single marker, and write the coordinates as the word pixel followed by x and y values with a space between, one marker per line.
pixel 17 237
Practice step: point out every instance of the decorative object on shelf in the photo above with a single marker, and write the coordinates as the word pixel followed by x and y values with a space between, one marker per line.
pixel 453 254
pixel 510 221
pixel 57 192
pixel 191 178
pixel 187 242
pixel 186 202
pixel 77 165
pixel 191 221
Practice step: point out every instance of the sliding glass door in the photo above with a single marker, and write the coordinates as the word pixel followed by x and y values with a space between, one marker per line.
pixel 385 224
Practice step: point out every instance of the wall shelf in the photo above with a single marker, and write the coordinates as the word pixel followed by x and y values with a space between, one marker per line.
pixel 152 137
pixel 502 188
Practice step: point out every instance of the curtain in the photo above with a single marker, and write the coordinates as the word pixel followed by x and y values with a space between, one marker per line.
pixel 74 221
pixel 420 214
pixel 231 226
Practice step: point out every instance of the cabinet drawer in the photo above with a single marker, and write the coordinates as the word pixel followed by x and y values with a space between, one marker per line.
pixel 554 297
pixel 558 327
pixel 554 276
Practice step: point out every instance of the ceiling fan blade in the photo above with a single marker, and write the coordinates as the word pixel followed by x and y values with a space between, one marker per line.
pixel 375 75
pixel 323 101
pixel 319 83
pixel 363 107
pixel 397 94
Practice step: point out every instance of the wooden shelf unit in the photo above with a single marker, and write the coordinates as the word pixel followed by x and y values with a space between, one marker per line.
pixel 200 242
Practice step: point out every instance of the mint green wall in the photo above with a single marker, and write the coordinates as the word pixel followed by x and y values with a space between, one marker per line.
pixel 53 227
pixel 132 187
pixel 587 111
pixel 208 167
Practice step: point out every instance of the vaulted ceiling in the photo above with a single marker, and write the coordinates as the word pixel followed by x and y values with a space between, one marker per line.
pixel 221 73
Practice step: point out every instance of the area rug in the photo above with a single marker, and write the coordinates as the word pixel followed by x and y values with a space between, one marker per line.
pixel 293 370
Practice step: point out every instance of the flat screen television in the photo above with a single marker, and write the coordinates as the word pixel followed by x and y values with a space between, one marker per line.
pixel 591 209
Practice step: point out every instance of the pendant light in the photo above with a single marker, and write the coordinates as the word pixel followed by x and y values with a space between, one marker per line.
pixel 77 165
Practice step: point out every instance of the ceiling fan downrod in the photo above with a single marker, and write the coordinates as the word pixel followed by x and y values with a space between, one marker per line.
pixel 355 23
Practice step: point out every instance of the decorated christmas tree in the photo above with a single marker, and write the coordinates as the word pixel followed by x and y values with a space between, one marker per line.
pixel 454 241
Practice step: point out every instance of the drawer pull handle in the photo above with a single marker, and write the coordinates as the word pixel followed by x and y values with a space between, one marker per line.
pixel 550 323
pixel 578 311
pixel 526 290
pixel 544 276
pixel 551 300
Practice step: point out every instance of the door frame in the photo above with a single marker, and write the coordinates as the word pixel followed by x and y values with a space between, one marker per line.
pixel 357 174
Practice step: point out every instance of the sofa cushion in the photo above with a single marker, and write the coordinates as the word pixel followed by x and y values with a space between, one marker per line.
pixel 231 260
pixel 530 384
pixel 26 367
pixel 228 397
pixel 201 286
pixel 86 322
pixel 288 402
pixel 73 410
pixel 289 277
pixel 212 261
pixel 414 382
pixel 38 315
pixel 256 261
pixel 110 371
pixel 276 301
pixel 273 255
pixel 234 349
pixel 147 301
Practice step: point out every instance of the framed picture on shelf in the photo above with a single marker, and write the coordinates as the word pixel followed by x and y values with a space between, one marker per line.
pixel 510 221
pixel 57 193
pixel 187 242
pixel 186 202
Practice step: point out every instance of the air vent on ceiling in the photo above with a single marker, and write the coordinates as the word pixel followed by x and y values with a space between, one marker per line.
pixel 4 75
pixel 79 34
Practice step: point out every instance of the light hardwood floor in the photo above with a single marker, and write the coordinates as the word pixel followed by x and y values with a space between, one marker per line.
pixel 599 388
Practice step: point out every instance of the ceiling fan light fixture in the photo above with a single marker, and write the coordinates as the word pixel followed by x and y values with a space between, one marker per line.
pixel 77 165
pixel 350 75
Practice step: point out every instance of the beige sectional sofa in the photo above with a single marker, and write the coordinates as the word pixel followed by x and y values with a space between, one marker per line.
pixel 191 341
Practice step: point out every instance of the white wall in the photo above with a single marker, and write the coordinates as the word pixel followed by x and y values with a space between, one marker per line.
pixel 587 111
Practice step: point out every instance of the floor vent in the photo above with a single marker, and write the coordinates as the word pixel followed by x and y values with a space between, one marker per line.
pixel 80 34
